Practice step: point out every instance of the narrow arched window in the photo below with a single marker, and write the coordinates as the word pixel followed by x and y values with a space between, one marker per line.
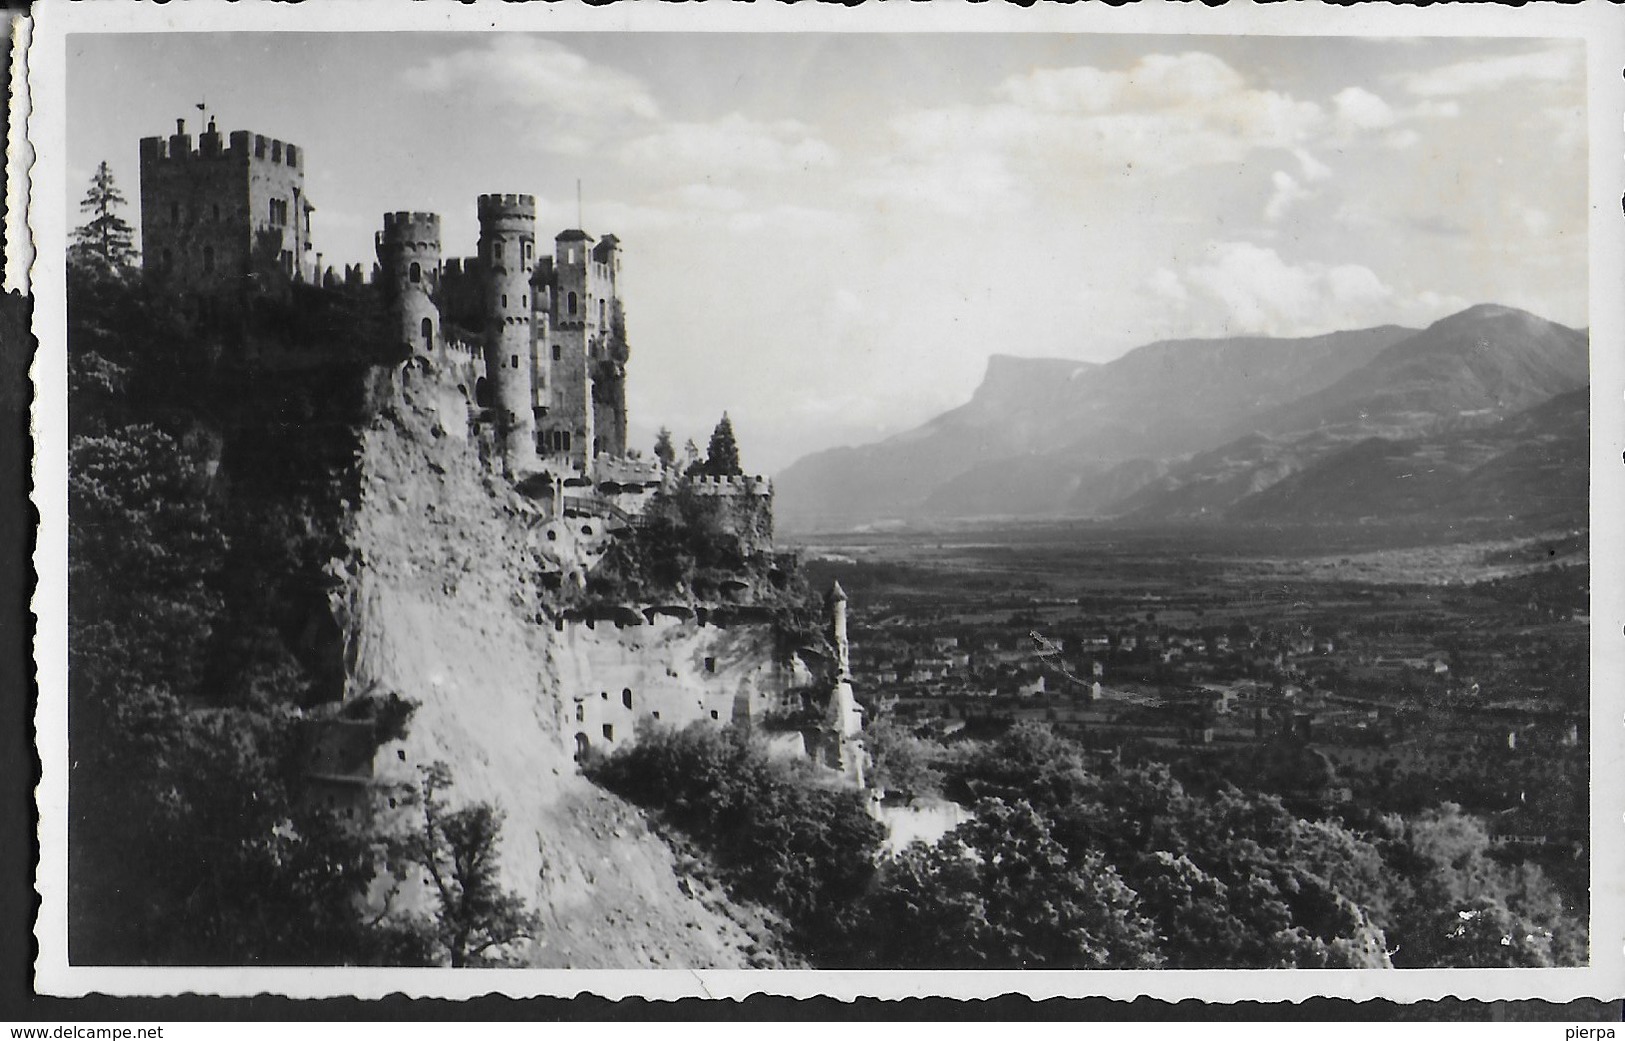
pixel 626 696
pixel 570 303
pixel 601 318
pixel 428 333
pixel 415 272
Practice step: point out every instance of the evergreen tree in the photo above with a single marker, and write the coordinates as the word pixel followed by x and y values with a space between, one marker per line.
pixel 665 451
pixel 107 240
pixel 722 454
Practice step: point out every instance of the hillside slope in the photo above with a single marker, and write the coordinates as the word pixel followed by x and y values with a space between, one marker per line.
pixel 438 604
pixel 1474 370
pixel 1045 436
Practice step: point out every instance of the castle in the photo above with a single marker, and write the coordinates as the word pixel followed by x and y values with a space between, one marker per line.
pixel 537 346
pixel 549 348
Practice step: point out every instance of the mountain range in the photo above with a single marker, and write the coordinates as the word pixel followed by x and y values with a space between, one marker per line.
pixel 1377 423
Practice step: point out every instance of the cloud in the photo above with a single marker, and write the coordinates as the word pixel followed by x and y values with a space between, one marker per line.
pixel 1164 114
pixel 1156 81
pixel 1400 140
pixel 536 73
pixel 1551 65
pixel 945 183
pixel 731 144
pixel 1358 109
pixel 1313 169
pixel 1242 287
pixel 1287 193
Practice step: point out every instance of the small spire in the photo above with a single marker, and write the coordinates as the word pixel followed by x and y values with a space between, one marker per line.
pixel 836 592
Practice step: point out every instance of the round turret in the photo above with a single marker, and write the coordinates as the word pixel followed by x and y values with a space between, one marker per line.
pixel 409 263
pixel 507 254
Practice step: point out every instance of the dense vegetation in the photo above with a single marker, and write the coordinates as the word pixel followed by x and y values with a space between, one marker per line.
pixel 1067 866
pixel 710 551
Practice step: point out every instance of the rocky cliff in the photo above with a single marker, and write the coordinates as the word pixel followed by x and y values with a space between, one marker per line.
pixel 439 600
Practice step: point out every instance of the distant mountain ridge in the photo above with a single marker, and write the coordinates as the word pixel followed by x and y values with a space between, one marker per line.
pixel 1187 428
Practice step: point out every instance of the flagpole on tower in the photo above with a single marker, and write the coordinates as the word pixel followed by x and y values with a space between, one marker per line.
pixel 579 223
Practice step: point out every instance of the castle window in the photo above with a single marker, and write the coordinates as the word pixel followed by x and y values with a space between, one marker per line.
pixel 496 250
pixel 581 745
pixel 713 713
pixel 524 300
pixel 601 318
pixel 515 362
pixel 581 713
pixel 572 259
pixel 276 151
pixel 609 732
pixel 566 440
pixel 570 304
pixel 655 714
pixel 626 697
pixel 555 352
pixel 525 251
pixel 414 273
pixel 504 299
pixel 428 333
pixel 710 665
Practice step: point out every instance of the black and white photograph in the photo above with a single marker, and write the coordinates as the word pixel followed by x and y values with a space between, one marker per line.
pixel 543 497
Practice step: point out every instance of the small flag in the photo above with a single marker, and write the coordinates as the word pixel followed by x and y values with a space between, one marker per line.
pixel 200 106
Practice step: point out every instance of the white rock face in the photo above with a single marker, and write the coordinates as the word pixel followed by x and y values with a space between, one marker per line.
pixel 438 603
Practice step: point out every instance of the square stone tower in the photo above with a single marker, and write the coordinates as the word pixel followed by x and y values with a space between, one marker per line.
pixel 215 216
pixel 582 355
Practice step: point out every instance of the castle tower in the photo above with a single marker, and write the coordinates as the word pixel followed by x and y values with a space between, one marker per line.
pixel 565 285
pixel 409 259
pixel 608 351
pixel 225 215
pixel 507 251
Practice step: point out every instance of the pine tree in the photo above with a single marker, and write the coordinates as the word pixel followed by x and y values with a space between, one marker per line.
pixel 107 241
pixel 722 455
pixel 665 451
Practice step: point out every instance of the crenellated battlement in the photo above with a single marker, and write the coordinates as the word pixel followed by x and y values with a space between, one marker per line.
pixel 242 145
pixel 740 485
pixel 496 206
pixel 411 226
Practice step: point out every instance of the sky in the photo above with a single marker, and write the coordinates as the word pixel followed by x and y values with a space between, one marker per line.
pixel 827 235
